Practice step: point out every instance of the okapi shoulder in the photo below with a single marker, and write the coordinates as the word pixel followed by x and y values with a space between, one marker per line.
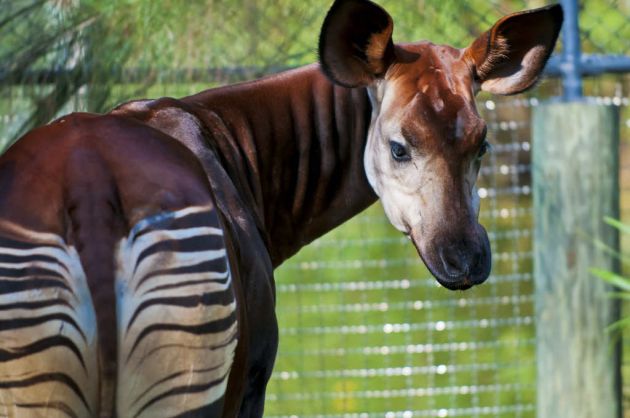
pixel 170 116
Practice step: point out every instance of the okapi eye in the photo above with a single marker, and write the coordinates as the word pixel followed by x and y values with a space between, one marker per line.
pixel 485 146
pixel 399 153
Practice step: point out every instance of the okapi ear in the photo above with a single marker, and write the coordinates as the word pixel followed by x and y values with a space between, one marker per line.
pixel 509 58
pixel 355 44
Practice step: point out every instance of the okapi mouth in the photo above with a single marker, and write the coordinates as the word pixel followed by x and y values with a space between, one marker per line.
pixel 458 266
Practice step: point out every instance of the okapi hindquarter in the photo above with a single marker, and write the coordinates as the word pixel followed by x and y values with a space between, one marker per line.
pixel 117 309
pixel 177 324
pixel 48 339
pixel 137 248
pixel 176 321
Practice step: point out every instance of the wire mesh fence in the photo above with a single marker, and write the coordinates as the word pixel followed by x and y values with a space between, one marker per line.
pixel 365 331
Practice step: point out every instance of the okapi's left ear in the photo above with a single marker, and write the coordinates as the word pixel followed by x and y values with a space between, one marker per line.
pixel 355 44
pixel 509 58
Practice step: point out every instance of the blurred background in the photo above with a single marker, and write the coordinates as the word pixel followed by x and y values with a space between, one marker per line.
pixel 365 331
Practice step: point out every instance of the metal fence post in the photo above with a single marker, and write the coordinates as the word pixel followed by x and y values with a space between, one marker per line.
pixel 571 52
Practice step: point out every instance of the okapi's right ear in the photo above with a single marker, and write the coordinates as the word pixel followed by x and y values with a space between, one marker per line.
pixel 355 44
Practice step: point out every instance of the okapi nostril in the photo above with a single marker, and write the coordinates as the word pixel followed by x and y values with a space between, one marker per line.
pixel 455 265
pixel 476 266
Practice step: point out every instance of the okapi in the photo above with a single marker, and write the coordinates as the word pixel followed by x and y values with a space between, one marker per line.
pixel 137 248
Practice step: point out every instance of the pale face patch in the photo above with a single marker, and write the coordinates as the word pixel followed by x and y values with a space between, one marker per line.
pixel 422 160
pixel 412 192
pixel 398 184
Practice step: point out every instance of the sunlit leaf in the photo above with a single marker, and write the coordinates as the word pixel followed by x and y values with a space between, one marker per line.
pixel 619 295
pixel 612 278
pixel 618 225
pixel 622 323
pixel 599 244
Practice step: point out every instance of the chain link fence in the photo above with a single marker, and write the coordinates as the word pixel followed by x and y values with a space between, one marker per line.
pixel 365 331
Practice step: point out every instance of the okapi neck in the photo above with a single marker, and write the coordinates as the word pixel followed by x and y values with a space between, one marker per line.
pixel 295 152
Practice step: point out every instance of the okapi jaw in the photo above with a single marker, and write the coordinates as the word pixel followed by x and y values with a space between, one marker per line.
pixel 426 138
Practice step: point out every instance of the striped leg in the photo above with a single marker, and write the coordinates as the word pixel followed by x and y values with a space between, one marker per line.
pixel 48 343
pixel 176 316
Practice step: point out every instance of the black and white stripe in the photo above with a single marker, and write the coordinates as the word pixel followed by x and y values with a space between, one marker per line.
pixel 176 321
pixel 48 341
pixel 177 324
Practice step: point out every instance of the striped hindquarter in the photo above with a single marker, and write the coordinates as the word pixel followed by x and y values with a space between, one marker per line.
pixel 177 316
pixel 176 322
pixel 48 341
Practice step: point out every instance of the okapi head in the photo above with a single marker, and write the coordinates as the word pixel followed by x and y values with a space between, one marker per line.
pixel 426 138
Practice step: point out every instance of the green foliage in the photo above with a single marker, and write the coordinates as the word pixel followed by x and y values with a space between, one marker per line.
pixel 620 281
pixel 53 49
pixel 606 26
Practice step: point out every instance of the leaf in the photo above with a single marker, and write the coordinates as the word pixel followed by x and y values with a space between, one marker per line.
pixel 623 228
pixel 607 249
pixel 622 323
pixel 612 278
pixel 619 295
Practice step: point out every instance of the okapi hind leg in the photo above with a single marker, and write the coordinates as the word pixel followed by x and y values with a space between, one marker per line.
pixel 254 399
pixel 177 321
pixel 261 353
pixel 48 341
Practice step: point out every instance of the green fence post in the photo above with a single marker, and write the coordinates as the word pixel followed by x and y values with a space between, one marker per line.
pixel 575 184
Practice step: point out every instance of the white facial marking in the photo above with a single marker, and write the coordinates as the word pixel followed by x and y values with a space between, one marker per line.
pixel 398 184
pixel 411 192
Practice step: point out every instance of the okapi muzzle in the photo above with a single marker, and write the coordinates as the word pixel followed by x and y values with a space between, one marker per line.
pixel 426 138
